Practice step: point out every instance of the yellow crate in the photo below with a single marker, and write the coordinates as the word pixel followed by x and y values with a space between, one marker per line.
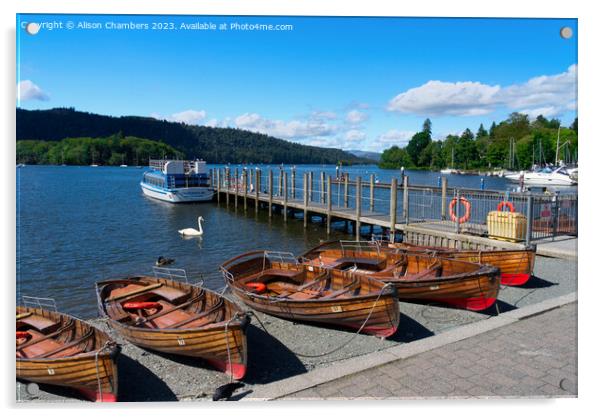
pixel 503 225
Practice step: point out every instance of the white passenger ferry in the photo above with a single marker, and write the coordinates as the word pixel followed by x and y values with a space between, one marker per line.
pixel 177 181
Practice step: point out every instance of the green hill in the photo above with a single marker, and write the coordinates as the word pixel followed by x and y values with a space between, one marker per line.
pixel 215 145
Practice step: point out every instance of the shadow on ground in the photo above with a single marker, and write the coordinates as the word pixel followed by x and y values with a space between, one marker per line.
pixel 272 360
pixel 536 282
pixel 409 330
pixel 138 383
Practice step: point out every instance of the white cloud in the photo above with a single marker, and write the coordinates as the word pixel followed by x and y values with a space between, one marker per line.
pixel 27 90
pixel 356 117
pixel 293 129
pixel 189 116
pixel 355 135
pixel 437 98
pixel 395 137
pixel 552 94
pixel 321 115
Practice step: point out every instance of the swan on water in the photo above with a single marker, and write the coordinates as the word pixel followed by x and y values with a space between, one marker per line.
pixel 191 231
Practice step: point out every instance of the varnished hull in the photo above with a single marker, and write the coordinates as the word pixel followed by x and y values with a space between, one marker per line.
pixel 516 266
pixel 383 321
pixel 93 375
pixel 460 284
pixel 223 346
pixel 476 292
pixel 370 306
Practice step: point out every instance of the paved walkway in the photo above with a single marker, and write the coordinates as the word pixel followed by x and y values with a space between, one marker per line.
pixel 533 357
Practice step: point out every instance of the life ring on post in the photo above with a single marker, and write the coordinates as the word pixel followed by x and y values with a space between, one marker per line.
pixel 259 287
pixel 500 207
pixel 452 210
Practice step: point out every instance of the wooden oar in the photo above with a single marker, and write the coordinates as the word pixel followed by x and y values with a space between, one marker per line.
pixel 200 316
pixel 170 310
pixel 48 336
pixel 67 346
pixel 134 292
pixel 24 315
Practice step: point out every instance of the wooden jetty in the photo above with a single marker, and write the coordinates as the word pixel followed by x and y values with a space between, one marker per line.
pixel 279 196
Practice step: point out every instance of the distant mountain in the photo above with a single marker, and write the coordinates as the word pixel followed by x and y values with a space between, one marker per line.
pixel 215 145
pixel 374 156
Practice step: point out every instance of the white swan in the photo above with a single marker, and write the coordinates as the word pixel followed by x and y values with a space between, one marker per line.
pixel 193 232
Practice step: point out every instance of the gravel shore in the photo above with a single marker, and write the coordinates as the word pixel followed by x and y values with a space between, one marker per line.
pixel 150 376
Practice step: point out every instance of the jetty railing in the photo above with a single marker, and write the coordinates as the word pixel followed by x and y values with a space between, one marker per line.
pixel 363 200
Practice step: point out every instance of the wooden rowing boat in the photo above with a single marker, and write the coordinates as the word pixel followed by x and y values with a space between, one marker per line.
pixel 178 318
pixel 417 277
pixel 55 348
pixel 516 265
pixel 276 283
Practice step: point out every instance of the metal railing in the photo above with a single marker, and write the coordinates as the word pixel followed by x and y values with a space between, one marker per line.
pixel 459 210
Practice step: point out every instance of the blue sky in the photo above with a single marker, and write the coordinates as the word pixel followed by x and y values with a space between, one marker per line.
pixel 353 83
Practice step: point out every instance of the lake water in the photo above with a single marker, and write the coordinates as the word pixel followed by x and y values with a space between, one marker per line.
pixel 78 225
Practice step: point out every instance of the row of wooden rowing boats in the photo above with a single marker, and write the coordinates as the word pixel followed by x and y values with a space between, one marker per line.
pixel 348 284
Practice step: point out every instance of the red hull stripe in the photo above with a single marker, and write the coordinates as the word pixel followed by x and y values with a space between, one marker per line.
pixel 471 303
pixel 107 397
pixel 515 279
pixel 238 370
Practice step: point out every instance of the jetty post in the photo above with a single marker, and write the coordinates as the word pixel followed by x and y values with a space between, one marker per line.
pixel 358 206
pixel 257 188
pixel 529 219
pixel 393 209
pixel 280 182
pixel 218 185
pixel 406 200
pixel 443 197
pixel 305 180
pixel 245 185
pixel 311 185
pixel 293 174
pixel 228 187
pixel 328 203
pixel 322 187
pixel 236 188
pixel 271 192
pixel 285 204
pixel 346 191
pixel 372 192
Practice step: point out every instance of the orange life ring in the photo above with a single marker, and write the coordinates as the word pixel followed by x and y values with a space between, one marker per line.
pixel 259 287
pixel 500 207
pixel 452 211
pixel 141 305
pixel 23 335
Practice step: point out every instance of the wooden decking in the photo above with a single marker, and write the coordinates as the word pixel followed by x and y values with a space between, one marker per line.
pixel 437 233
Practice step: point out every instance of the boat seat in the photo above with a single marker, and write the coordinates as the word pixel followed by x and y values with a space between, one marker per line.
pixel 173 295
pixel 116 312
pixel 42 324
pixel 424 275
pixel 42 348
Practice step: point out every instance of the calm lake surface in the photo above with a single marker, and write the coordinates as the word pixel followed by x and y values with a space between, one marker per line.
pixel 77 225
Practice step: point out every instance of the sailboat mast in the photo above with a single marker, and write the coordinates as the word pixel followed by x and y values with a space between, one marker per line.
pixel 557 144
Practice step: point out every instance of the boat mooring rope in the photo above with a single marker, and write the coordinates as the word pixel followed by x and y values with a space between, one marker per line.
pixel 305 355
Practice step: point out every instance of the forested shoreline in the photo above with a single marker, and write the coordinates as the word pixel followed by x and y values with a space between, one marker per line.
pixel 516 142
pixel 112 150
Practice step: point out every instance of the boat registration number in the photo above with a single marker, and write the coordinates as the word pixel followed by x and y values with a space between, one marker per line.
pixel 474 259
pixel 50 371
pixel 336 309
pixel 434 287
pixel 181 341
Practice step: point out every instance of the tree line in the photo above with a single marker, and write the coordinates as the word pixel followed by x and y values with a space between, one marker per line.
pixel 214 145
pixel 112 150
pixel 516 143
